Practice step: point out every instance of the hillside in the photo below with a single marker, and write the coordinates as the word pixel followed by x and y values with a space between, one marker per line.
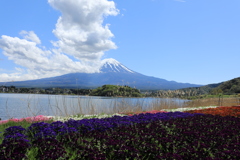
pixel 228 87
pixel 113 91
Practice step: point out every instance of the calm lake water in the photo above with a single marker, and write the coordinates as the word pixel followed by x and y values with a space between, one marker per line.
pixel 25 105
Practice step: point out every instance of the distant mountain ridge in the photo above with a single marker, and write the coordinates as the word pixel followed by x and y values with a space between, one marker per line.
pixel 111 72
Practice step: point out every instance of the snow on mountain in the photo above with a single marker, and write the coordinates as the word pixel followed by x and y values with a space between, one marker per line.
pixel 112 65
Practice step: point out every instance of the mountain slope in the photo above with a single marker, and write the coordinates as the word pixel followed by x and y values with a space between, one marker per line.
pixel 111 72
pixel 229 87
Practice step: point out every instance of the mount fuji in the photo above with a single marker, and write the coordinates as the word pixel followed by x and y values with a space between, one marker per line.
pixel 111 72
pixel 112 65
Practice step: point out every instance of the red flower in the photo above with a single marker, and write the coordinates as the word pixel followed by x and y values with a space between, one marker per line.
pixel 222 111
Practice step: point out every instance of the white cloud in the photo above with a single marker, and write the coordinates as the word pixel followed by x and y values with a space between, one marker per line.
pixel 20 50
pixel 19 69
pixel 81 34
pixel 80 29
pixel 30 36
pixel 39 63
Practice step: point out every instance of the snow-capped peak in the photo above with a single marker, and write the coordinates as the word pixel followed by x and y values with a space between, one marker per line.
pixel 112 65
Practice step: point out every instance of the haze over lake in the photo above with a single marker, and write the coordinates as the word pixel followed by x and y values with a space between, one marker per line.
pixel 25 105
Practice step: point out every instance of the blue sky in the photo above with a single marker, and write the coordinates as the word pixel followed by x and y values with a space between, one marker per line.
pixel 190 41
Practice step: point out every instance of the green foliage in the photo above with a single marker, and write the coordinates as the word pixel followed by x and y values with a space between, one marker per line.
pixel 114 91
pixel 228 87
pixel 216 91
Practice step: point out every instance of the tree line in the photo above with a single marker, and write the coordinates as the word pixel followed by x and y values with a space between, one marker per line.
pixel 13 89
pixel 105 90
pixel 115 91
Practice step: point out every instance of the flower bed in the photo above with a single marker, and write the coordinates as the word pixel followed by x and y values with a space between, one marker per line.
pixel 222 111
pixel 38 118
pixel 137 113
pixel 188 109
pixel 148 136
pixel 172 135
pixel 51 138
pixel 80 117
pixel 170 110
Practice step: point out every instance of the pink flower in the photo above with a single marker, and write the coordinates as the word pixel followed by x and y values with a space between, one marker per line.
pixel 28 119
pixel 4 121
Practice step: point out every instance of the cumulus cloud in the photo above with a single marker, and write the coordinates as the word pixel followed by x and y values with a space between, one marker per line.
pixel 39 63
pixel 80 29
pixel 19 50
pixel 81 34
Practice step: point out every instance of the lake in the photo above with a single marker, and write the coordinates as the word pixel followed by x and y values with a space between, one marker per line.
pixel 25 105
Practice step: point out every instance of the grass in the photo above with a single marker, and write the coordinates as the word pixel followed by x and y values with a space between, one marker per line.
pixel 230 101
